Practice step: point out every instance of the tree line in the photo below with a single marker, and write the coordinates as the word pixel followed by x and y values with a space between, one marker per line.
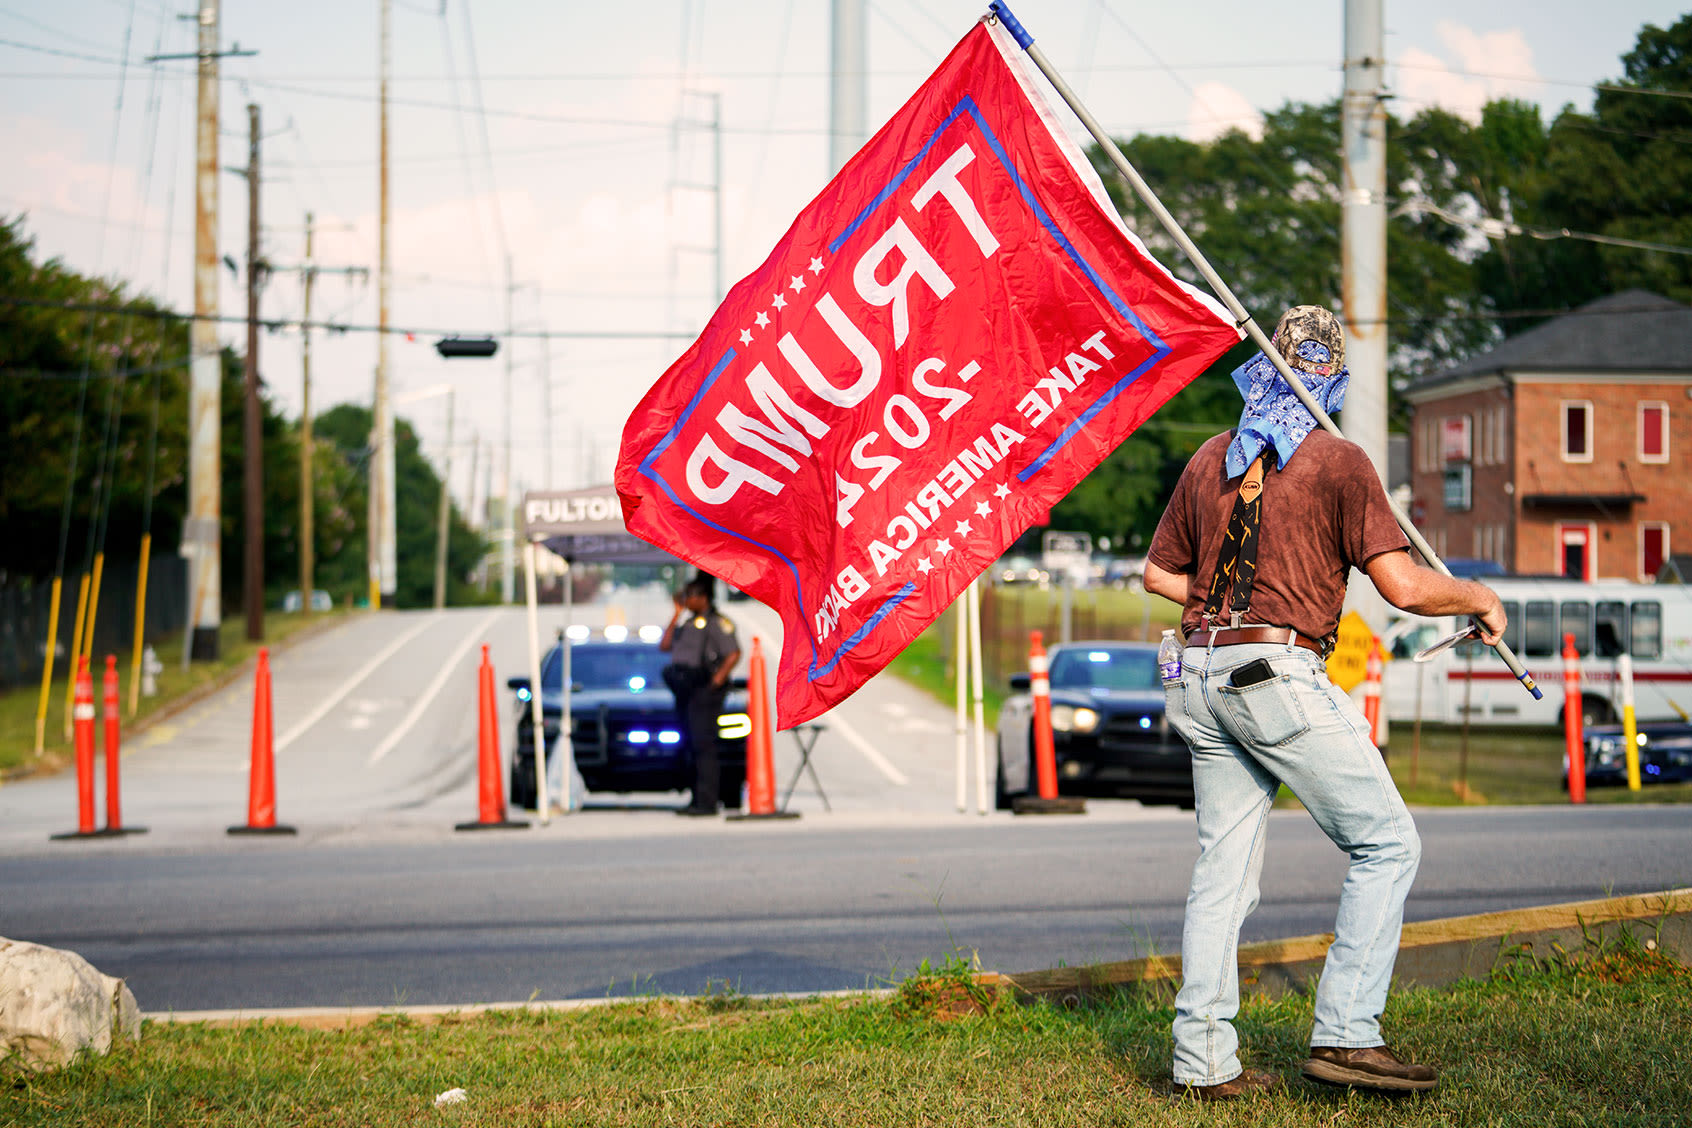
pixel 1266 212
pixel 94 399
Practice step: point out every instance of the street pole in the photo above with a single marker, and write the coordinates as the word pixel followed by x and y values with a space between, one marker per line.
pixel 507 530
pixel 546 407
pixel 252 582
pixel 717 188
pixel 201 531
pixel 446 510
pixel 847 101
pixel 383 556
pixel 307 544
pixel 1363 253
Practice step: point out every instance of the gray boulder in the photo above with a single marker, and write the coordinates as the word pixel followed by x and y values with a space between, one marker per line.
pixel 54 1004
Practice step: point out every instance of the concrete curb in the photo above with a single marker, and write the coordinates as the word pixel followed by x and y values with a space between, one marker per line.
pixel 1432 953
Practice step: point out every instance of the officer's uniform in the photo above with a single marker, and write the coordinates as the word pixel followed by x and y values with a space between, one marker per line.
pixel 699 645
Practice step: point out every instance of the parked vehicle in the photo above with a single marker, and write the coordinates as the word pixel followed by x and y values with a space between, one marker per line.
pixel 1650 622
pixel 1109 730
pixel 624 728
pixel 320 601
pixel 1665 755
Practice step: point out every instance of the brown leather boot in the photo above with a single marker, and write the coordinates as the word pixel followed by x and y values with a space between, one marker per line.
pixel 1372 1067
pixel 1248 1082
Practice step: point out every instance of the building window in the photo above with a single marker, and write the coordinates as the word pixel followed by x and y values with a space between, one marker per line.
pixel 1454 438
pixel 1458 482
pixel 1653 432
pixel 1653 548
pixel 1577 430
pixel 1575 544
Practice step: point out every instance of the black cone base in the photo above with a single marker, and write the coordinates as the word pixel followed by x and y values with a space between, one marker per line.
pixel 502 824
pixel 262 830
pixel 763 818
pixel 1062 805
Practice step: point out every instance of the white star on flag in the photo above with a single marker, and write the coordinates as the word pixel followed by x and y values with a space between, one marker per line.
pixel 746 336
pixel 963 528
pixel 797 284
pixel 982 509
pixel 943 547
pixel 763 319
pixel 816 266
pixel 1002 491
pixel 924 566
pixel 778 302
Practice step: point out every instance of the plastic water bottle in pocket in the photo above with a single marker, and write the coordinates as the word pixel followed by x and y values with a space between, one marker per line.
pixel 1169 657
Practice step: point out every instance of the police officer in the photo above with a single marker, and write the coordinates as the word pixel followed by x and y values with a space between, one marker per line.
pixel 703 650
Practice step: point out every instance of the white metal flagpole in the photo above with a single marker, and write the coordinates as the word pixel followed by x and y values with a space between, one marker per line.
pixel 1001 11
pixel 977 686
pixel 960 655
pixel 537 713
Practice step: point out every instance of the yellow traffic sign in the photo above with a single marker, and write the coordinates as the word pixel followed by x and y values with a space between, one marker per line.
pixel 1349 662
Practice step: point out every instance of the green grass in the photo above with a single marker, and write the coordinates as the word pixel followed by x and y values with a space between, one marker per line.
pixel 18 707
pixel 1505 765
pixel 1598 1040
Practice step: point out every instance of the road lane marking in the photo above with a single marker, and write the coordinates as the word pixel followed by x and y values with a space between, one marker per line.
pixel 427 698
pixel 869 750
pixel 351 683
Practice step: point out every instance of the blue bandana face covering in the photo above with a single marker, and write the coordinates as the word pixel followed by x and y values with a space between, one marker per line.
pixel 1273 414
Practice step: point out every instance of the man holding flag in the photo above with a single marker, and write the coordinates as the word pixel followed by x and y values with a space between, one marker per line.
pixel 1258 560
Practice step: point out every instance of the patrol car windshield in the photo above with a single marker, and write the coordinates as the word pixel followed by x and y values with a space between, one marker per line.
pixel 1105 667
pixel 635 668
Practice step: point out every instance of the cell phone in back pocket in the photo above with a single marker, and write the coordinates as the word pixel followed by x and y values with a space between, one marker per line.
pixel 1253 672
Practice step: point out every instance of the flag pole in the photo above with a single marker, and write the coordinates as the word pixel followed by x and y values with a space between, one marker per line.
pixel 1001 11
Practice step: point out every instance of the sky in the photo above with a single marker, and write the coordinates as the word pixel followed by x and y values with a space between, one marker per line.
pixel 575 140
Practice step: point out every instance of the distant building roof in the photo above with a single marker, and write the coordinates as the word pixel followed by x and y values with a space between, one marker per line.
pixel 1633 331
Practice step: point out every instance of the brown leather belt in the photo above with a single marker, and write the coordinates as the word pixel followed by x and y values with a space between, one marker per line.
pixel 1234 636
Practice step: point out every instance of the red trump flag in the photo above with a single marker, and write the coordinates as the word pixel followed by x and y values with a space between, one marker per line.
pixel 948 338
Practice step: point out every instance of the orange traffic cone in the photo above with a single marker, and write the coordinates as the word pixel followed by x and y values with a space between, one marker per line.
pixel 1372 691
pixel 1047 802
pixel 114 725
pixel 82 717
pixel 1574 745
pixel 760 757
pixel 490 798
pixel 261 785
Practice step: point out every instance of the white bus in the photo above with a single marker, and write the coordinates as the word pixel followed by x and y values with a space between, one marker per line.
pixel 1651 622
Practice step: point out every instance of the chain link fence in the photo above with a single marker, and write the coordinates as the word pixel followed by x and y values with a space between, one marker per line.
pixel 25 605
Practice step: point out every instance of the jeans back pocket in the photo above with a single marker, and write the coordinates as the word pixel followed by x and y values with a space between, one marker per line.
pixel 1265 714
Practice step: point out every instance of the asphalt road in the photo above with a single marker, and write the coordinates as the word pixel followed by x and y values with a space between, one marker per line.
pixel 378 901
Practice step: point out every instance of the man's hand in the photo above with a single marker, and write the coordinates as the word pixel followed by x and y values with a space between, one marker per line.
pixel 1422 591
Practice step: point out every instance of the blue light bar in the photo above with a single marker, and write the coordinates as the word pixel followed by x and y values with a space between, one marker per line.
pixel 639 736
pixel 669 736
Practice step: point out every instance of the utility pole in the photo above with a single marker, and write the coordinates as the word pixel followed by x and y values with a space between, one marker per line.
pixel 201 534
pixel 252 582
pixel 308 272
pixel 383 529
pixel 847 102
pixel 444 518
pixel 548 481
pixel 1363 262
pixel 1364 230
pixel 508 528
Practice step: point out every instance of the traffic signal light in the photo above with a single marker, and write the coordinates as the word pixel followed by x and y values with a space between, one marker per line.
pixel 478 347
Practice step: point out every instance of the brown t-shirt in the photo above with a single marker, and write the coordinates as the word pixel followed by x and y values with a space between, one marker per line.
pixel 1323 514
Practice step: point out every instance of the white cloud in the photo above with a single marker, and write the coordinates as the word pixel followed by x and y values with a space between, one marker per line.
pixel 1488 65
pixel 1216 108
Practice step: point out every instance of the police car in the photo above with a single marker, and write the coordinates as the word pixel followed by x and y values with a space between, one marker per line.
pixel 624 728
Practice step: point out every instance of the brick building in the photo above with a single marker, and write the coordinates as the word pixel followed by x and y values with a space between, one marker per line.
pixel 1564 450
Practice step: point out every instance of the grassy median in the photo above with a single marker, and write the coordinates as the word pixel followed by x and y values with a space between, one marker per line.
pixel 19 706
pixel 1599 1038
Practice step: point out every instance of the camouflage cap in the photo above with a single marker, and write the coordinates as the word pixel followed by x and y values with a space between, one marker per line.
pixel 1311 339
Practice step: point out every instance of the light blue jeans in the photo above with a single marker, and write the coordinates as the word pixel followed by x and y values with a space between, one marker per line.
pixel 1298 729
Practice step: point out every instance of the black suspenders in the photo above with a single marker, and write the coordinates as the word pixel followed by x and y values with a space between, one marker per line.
pixel 1236 562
